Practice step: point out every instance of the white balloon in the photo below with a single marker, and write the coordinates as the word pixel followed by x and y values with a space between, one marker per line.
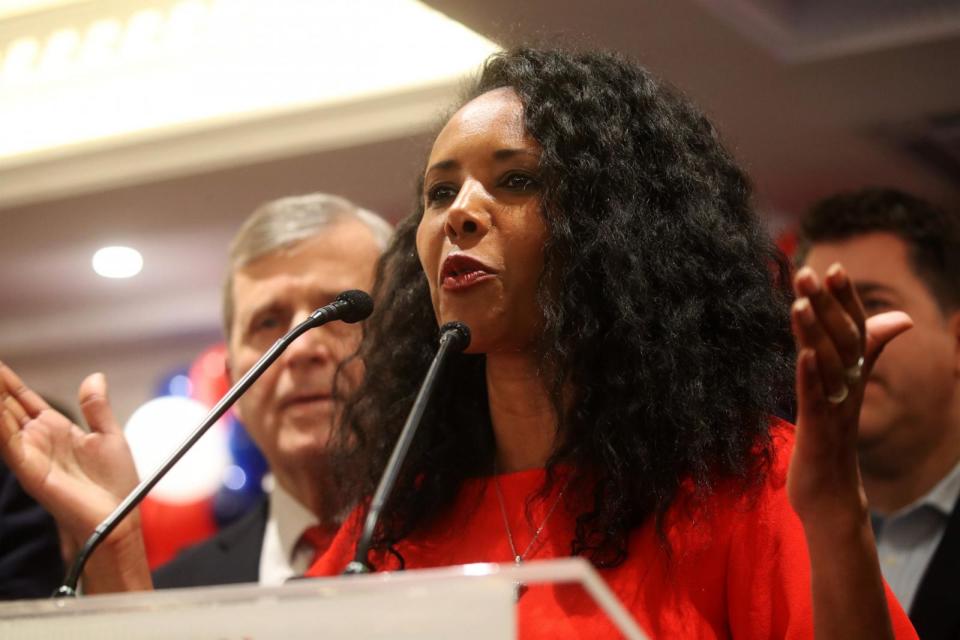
pixel 157 428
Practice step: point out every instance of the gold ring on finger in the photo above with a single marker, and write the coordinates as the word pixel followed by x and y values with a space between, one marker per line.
pixel 840 396
pixel 855 372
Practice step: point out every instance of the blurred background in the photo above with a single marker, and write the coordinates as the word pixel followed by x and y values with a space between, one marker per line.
pixel 160 125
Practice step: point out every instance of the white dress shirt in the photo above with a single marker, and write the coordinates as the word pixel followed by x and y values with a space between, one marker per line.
pixel 281 557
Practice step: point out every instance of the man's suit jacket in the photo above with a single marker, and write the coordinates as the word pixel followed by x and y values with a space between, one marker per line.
pixel 936 608
pixel 30 561
pixel 231 556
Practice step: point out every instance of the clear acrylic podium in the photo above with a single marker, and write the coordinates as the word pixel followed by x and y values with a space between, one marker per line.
pixel 463 602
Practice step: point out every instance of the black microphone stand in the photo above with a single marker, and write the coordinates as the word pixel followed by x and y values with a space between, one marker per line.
pixel 454 338
pixel 350 306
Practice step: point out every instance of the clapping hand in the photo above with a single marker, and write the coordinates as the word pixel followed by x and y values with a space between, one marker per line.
pixel 78 476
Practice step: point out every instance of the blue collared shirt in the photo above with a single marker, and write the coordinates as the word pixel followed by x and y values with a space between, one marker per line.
pixel 907 539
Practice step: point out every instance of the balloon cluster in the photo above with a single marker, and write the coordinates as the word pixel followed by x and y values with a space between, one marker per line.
pixel 216 482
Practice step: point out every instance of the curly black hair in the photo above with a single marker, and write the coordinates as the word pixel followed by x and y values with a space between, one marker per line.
pixel 931 234
pixel 671 327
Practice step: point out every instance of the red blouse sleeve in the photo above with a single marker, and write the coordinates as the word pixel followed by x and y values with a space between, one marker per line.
pixel 769 548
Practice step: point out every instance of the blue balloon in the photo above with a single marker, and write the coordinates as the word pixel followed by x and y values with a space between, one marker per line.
pixel 245 452
pixel 243 481
pixel 175 383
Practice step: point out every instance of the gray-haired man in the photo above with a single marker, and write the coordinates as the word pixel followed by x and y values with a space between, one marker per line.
pixel 290 257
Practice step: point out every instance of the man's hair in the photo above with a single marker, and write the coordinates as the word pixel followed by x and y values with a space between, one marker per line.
pixel 281 223
pixel 932 235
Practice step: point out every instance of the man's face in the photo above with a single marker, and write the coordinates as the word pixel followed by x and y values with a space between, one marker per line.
pixel 913 384
pixel 289 411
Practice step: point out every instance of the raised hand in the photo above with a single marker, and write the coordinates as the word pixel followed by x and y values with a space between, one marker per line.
pixel 78 476
pixel 837 347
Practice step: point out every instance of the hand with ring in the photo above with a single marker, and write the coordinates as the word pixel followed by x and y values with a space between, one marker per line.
pixel 837 346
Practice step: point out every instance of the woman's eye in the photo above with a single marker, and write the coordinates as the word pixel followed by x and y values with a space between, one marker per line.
pixel 520 182
pixel 440 193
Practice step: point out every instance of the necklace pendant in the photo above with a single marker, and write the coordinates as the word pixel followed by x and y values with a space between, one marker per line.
pixel 518 587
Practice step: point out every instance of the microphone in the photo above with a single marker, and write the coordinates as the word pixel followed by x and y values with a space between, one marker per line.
pixel 350 306
pixel 454 338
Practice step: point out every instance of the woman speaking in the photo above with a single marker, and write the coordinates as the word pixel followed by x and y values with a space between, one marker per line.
pixel 630 343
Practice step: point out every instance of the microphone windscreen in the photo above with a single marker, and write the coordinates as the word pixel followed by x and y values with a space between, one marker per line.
pixel 359 305
pixel 457 333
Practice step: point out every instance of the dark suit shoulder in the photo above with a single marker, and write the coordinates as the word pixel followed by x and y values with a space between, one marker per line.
pixel 935 612
pixel 231 556
pixel 30 561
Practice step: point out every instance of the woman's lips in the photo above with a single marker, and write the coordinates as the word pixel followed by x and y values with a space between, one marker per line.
pixel 462 281
pixel 460 271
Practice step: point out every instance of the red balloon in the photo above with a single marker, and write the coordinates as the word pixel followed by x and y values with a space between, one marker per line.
pixel 208 373
pixel 169 527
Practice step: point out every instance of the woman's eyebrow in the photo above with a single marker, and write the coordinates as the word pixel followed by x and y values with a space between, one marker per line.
pixel 499 154
pixel 442 165
pixel 504 154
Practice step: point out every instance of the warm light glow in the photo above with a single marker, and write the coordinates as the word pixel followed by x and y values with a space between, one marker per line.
pixel 99 43
pixel 13 8
pixel 20 56
pixel 117 262
pixel 58 54
pixel 181 64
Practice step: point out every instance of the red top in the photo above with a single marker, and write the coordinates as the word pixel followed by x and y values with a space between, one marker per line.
pixel 739 566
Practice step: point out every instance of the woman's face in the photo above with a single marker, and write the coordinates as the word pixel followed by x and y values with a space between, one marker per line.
pixel 482 234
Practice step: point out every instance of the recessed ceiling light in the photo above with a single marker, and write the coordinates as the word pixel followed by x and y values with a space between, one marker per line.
pixel 117 262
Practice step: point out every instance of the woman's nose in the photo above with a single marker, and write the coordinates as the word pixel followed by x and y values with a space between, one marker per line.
pixel 468 216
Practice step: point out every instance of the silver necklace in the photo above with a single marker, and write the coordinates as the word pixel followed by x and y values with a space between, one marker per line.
pixel 518 587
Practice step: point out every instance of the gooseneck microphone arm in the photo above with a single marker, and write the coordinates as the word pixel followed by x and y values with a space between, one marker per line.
pixel 454 338
pixel 350 306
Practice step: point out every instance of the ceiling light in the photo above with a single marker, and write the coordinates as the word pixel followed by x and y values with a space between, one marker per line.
pixel 116 71
pixel 117 262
